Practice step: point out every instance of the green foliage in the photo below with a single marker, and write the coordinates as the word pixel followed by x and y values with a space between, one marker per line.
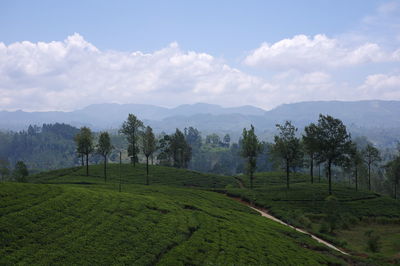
pixel 335 218
pixel 158 225
pixel 180 150
pixel 371 156
pixel 393 171
pixel 132 128
pixel 287 147
pixel 48 147
pixel 310 145
pixel 4 169
pixel 20 172
pixel 149 146
pixel 251 147
pixel 84 143
pixel 193 138
pixel 333 143
pixel 104 147
pixel 373 241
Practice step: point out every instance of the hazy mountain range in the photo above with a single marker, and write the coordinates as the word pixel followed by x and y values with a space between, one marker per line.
pixel 374 118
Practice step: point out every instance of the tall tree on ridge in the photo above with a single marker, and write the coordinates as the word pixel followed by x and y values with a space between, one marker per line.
pixel 371 156
pixel 310 140
pixel 104 148
pixel 86 143
pixel 287 146
pixel 149 146
pixel 355 160
pixel 251 147
pixel 79 147
pixel 334 143
pixel 180 150
pixel 132 128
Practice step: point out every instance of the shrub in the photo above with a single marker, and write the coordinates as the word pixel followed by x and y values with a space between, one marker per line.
pixel 373 241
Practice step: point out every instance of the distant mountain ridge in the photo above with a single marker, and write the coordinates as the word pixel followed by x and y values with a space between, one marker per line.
pixel 360 116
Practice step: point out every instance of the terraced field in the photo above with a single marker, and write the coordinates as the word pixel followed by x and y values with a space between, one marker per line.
pixel 342 219
pixel 159 175
pixel 144 225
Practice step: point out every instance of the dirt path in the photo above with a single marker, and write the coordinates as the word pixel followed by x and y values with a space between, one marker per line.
pixel 265 214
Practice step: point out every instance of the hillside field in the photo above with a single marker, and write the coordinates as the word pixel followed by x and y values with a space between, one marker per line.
pixel 64 217
pixel 343 219
pixel 144 225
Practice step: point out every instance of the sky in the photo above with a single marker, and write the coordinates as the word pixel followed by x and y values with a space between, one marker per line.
pixel 65 55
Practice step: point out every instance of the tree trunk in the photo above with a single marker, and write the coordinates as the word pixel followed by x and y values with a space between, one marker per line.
pixel 105 168
pixel 312 170
pixel 369 177
pixel 319 173
pixel 395 190
pixel 251 179
pixel 120 175
pixel 287 174
pixel 330 177
pixel 87 164
pixel 147 170
pixel 82 162
pixel 356 178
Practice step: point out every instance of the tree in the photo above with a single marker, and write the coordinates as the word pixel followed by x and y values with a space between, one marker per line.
pixel 180 150
pixel 149 146
pixel 355 161
pixel 193 138
pixel 104 148
pixel 393 169
pixel 132 128
pixel 164 146
pixel 251 147
pixel 85 142
pixel 310 140
pixel 333 143
pixel 213 139
pixel 4 169
pixel 20 172
pixel 287 146
pixel 371 156
pixel 227 140
pixel 79 147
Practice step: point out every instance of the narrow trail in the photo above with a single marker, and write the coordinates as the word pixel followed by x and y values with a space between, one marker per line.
pixel 265 214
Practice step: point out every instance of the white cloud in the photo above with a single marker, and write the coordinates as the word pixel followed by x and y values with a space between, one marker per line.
pixel 303 52
pixel 381 86
pixel 74 73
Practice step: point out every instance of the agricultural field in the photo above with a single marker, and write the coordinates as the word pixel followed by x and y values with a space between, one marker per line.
pixel 354 220
pixel 158 175
pixel 85 224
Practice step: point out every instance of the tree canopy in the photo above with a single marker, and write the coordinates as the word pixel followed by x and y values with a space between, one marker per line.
pixel 251 147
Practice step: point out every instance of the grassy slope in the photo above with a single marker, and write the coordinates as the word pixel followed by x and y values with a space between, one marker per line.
pixel 305 205
pixel 158 175
pixel 144 225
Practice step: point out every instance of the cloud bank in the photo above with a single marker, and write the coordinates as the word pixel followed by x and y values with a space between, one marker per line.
pixel 71 74
pixel 303 52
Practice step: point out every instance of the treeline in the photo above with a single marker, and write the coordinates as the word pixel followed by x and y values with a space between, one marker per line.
pixel 48 147
pixel 324 147
pixel 326 143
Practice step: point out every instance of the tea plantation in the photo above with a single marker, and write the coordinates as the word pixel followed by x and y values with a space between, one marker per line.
pixel 146 225
pixel 63 217
pixel 343 218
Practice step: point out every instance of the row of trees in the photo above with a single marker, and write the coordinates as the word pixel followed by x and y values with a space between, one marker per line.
pixel 174 150
pixel 19 173
pixel 85 146
pixel 326 142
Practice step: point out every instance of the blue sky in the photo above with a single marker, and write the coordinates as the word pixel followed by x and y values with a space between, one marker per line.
pixel 62 55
